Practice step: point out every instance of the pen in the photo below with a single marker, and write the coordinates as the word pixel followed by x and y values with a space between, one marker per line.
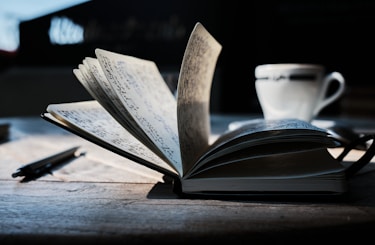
pixel 45 165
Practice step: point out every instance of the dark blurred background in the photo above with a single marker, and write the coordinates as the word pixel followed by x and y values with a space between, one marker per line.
pixel 337 34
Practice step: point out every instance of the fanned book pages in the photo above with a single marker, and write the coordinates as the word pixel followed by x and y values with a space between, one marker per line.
pixel 134 114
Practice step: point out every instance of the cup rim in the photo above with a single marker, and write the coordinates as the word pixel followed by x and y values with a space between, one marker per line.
pixel 260 70
pixel 290 66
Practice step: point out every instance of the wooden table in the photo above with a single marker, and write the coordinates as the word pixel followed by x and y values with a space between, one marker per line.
pixel 103 198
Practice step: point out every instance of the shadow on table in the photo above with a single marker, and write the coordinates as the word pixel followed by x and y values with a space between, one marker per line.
pixel 4 132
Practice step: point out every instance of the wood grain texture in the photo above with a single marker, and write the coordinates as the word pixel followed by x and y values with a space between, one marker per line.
pixel 114 212
pixel 78 206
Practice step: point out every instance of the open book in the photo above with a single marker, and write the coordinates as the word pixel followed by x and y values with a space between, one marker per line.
pixel 134 113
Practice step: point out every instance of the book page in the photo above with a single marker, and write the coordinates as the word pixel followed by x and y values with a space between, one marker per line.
pixel 103 92
pixel 193 94
pixel 86 77
pixel 299 172
pixel 94 122
pixel 263 137
pixel 81 78
pixel 148 100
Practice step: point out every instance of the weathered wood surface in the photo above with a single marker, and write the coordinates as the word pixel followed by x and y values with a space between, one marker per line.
pixel 104 199
pixel 131 213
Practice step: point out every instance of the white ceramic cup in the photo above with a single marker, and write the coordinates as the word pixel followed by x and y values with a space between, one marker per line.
pixel 295 90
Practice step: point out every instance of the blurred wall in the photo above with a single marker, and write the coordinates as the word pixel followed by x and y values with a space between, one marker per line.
pixel 337 34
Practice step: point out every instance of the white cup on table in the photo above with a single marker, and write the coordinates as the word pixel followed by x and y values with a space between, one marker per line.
pixel 294 90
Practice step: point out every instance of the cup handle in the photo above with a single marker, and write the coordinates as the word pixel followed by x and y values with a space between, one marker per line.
pixel 328 79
